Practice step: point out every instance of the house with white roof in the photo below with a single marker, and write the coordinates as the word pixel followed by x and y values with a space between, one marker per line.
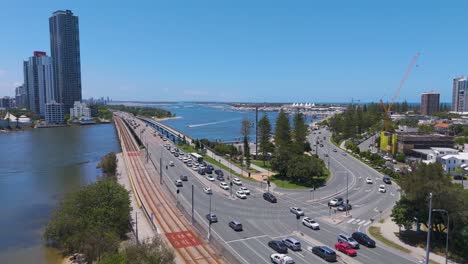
pixel 451 162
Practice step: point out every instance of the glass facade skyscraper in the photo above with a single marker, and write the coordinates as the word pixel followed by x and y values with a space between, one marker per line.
pixel 65 51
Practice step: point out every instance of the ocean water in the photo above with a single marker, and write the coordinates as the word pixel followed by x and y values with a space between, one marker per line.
pixel 213 121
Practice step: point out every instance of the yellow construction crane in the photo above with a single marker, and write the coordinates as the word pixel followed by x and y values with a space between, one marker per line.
pixel 388 140
pixel 388 108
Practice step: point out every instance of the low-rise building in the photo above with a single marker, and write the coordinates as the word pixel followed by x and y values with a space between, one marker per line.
pixel 80 111
pixel 432 155
pixel 407 142
pixel 54 113
pixel 453 161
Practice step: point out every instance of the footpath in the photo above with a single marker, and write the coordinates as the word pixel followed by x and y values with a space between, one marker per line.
pixel 388 229
pixel 141 226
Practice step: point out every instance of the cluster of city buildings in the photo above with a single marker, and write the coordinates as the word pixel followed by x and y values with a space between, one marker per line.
pixel 430 101
pixel 52 83
pixel 437 146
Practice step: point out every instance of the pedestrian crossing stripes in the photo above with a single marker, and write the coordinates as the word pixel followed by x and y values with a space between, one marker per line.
pixel 360 222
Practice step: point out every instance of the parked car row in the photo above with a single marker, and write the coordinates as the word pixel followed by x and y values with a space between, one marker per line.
pixel 345 243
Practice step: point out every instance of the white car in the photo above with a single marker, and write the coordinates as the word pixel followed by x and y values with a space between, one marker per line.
pixel 241 195
pixel 224 186
pixel 180 157
pixel 281 259
pixel 171 163
pixel 369 180
pixel 310 223
pixel 382 188
pixel 210 177
pixel 297 211
pixel 245 190
pixel 207 190
pixel 185 159
pixel 236 181
pixel 194 167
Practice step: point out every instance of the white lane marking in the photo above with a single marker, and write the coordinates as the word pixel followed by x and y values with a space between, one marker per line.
pixel 350 220
pixel 362 222
pixel 255 252
pixel 367 223
pixel 243 239
pixel 356 221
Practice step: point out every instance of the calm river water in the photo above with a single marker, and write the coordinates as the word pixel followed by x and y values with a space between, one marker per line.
pixel 37 167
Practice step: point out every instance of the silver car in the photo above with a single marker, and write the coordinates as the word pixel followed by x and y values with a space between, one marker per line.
pixel 348 239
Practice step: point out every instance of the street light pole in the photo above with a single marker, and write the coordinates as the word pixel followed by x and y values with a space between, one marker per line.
pixel 448 230
pixel 209 222
pixel 429 229
pixel 192 204
pixel 160 167
pixel 347 197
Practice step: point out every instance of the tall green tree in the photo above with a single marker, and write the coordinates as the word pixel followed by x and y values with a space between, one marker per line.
pixel 246 127
pixel 282 130
pixel 91 220
pixel 299 133
pixel 264 133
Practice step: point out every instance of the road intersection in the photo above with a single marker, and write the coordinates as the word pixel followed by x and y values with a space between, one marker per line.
pixel 263 221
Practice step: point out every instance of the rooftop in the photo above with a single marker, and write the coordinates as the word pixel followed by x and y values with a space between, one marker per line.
pixel 461 155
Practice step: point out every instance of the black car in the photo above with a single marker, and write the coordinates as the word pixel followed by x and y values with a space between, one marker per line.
pixel 219 172
pixel 220 177
pixel 237 226
pixel 210 167
pixel 387 180
pixel 184 177
pixel 269 197
pixel 278 246
pixel 344 207
pixel 201 171
pixel 325 252
pixel 363 239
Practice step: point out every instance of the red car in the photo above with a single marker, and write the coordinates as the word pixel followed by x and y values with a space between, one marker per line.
pixel 345 248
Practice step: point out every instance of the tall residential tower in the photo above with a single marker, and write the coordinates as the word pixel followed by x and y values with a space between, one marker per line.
pixel 65 49
pixel 39 82
pixel 460 94
pixel 430 103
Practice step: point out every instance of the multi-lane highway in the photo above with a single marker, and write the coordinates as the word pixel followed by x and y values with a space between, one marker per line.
pixel 263 221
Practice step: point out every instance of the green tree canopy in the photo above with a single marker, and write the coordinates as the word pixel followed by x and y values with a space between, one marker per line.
pixel 282 130
pixel 299 133
pixel 91 220
pixel 264 133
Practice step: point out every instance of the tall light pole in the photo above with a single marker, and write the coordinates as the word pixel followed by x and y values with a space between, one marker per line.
pixel 160 167
pixel 347 200
pixel 448 230
pixel 428 241
pixel 209 222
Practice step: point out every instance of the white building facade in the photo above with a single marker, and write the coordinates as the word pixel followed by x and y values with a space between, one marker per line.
pixel 80 111
pixel 453 161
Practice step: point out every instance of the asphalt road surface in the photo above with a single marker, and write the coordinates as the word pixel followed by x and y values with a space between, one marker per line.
pixel 263 221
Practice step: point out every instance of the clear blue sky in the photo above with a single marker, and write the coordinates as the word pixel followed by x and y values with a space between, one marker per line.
pixel 301 51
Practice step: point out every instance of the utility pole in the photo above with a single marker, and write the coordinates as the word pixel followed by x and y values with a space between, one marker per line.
pixel 146 152
pixel 192 204
pixel 347 200
pixel 428 241
pixel 160 167
pixel 256 133
pixel 209 222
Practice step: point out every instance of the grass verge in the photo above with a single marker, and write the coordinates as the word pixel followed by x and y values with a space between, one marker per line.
pixel 375 232
pixel 259 163
pixel 224 167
